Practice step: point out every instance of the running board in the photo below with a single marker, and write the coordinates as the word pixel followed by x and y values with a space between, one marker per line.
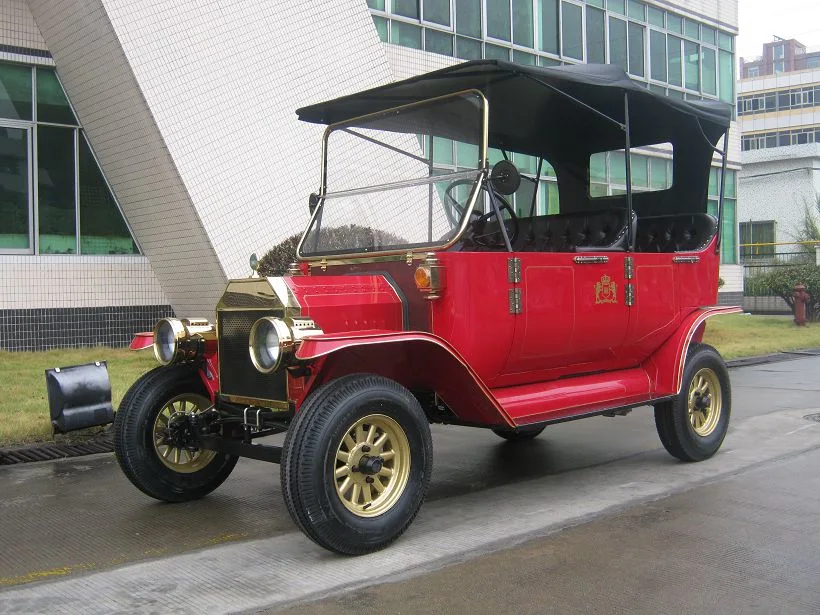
pixel 559 400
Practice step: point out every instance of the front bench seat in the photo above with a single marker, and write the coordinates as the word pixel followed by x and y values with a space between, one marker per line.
pixel 589 231
pixel 675 233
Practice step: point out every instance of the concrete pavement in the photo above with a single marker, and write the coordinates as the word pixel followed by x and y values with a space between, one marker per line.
pixel 82 522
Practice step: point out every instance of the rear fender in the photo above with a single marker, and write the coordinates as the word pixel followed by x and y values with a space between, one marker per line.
pixel 418 361
pixel 665 366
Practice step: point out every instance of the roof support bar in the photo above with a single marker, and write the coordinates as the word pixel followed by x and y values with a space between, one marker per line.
pixel 628 162
pixel 721 185
pixel 575 100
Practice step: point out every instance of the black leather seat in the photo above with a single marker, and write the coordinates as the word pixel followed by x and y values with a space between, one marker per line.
pixel 675 233
pixel 588 231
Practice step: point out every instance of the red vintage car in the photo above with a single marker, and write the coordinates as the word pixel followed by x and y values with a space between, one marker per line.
pixel 462 265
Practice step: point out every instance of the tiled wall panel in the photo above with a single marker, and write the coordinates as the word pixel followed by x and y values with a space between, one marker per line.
pixel 17 27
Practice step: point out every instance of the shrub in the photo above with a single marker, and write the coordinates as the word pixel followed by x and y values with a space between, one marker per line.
pixel 781 282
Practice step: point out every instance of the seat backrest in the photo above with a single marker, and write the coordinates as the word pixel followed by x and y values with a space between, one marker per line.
pixel 572 232
pixel 675 233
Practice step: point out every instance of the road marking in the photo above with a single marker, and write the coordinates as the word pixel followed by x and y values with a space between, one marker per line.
pixel 274 572
pixel 802 428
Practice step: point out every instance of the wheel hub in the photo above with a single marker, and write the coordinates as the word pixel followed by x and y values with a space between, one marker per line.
pixel 370 465
pixel 704 402
pixel 174 434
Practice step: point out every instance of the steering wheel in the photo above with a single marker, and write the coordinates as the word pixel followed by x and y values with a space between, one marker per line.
pixel 495 238
pixel 448 194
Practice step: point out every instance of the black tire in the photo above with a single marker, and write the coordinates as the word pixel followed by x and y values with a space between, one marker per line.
pixel 134 447
pixel 310 464
pixel 698 438
pixel 519 434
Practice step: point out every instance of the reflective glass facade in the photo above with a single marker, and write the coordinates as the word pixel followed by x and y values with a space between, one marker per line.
pixel 53 197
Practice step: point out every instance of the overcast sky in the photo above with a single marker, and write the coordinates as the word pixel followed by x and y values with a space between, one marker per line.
pixel 761 19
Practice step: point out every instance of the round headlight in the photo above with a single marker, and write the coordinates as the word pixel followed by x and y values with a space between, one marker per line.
pixel 167 334
pixel 270 339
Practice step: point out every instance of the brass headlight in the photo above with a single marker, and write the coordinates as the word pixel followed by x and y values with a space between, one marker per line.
pixel 177 340
pixel 270 340
pixel 168 333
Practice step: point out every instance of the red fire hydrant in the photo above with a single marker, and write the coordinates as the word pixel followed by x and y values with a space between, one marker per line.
pixel 801 299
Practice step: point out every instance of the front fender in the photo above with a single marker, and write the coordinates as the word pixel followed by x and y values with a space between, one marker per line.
pixel 665 366
pixel 418 361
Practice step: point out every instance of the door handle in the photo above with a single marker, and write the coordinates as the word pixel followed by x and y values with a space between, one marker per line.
pixel 590 260
pixel 686 259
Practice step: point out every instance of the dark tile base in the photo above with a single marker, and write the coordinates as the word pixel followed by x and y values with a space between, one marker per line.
pixel 41 329
pixel 730 298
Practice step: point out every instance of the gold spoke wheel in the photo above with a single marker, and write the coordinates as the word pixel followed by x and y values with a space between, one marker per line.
pixel 180 459
pixel 705 402
pixel 372 465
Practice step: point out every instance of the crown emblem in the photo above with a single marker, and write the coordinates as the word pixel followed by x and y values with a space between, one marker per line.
pixel 606 291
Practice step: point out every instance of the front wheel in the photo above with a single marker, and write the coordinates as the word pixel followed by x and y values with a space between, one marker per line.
pixel 356 463
pixel 147 448
pixel 693 425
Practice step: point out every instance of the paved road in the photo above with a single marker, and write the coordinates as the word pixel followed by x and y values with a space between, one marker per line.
pixel 75 518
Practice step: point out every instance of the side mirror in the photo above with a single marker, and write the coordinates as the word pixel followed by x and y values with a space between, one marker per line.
pixel 505 178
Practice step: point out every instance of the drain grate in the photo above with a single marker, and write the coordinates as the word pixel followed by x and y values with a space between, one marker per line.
pixel 813 417
pixel 48 452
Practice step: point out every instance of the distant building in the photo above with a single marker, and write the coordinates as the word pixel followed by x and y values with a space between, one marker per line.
pixel 778 109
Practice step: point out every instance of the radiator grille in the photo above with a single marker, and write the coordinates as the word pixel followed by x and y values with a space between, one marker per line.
pixel 237 375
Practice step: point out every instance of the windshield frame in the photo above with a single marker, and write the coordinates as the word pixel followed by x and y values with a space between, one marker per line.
pixel 480 176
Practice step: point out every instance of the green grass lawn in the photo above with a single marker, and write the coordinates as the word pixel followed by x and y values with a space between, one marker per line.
pixel 24 405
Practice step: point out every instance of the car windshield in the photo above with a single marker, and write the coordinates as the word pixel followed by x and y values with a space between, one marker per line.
pixel 400 179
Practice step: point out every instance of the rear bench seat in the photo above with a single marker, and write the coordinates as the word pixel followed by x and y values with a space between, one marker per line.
pixel 675 233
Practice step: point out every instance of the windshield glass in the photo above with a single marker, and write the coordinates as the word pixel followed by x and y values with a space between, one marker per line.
pixel 401 179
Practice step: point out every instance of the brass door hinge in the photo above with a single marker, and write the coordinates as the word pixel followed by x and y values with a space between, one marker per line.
pixel 629 268
pixel 515 301
pixel 513 270
pixel 630 294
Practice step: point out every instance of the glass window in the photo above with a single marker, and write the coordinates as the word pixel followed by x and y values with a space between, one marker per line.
pixel 522 57
pixel 381 27
pixel 571 37
pixel 639 170
pixel 496 52
pixel 636 61
pixel 14 193
pixel 102 227
pixel 498 19
pixel 542 61
pixel 467 48
pixel 597 168
pixel 596 43
pixel 438 42
pixel 656 16
pixel 709 71
pixel 467 155
pixel 437 11
pixel 690 29
pixel 405 34
pixel 443 151
pixel 726 41
pixel 674 23
pixel 617 42
pixel 468 18
pixel 15 92
pixel 376 4
pixel 617 168
pixel 617 6
pixel 658 179
pixel 728 247
pixel 522 23
pixel 691 54
pixel 636 10
pixel 708 34
pixel 55 188
pixel 657 55
pixel 408 8
pixel 731 184
pixel 548 20
pixel 598 3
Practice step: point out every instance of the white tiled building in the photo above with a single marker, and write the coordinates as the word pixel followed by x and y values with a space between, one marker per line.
pixel 188 108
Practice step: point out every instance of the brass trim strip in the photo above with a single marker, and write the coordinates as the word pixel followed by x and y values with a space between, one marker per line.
pixel 590 260
pixel 686 259
pixel 256 401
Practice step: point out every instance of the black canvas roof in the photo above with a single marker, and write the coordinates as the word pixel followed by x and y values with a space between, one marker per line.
pixel 530 117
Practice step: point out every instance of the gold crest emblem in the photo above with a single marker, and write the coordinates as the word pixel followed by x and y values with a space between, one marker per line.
pixel 606 290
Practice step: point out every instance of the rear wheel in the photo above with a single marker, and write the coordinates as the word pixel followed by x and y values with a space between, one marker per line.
pixel 693 425
pixel 148 438
pixel 356 463
pixel 519 434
